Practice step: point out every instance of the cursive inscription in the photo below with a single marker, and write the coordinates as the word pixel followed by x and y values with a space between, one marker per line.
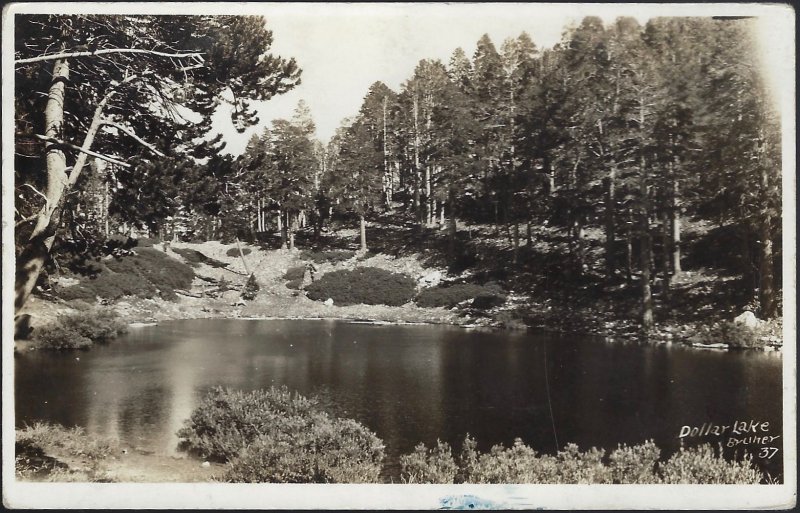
pixel 736 434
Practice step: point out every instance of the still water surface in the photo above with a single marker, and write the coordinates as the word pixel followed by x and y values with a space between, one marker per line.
pixel 409 384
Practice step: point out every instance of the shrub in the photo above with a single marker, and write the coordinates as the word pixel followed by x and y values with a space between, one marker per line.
pixel 366 285
pixel 79 330
pixel 275 436
pixel 250 289
pixel 635 465
pixel 482 296
pixel 327 451
pixel 428 466
pixel 333 257
pixel 294 277
pixel 700 465
pixel 234 252
pixel 520 464
pixel 58 337
pixel 517 464
pixel 195 258
pixel 739 335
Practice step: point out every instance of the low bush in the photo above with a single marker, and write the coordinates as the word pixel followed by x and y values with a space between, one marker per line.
pixel 333 257
pixel 636 464
pixel 326 451
pixel 195 258
pixel 520 464
pixel 702 465
pixel 146 273
pixel 482 296
pixel 428 466
pixel 294 277
pixel 364 285
pixel 234 252
pixel 739 335
pixel 79 330
pixel 276 436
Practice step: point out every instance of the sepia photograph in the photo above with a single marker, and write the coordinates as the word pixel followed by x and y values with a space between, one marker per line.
pixel 452 253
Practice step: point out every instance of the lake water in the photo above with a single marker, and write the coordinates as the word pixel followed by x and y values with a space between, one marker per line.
pixel 407 383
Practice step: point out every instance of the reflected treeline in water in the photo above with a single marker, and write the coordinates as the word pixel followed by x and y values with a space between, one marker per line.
pixel 409 384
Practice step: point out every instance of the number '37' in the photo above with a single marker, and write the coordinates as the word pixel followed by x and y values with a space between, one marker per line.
pixel 767 452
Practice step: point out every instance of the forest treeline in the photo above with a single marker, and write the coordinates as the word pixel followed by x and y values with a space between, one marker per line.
pixel 622 128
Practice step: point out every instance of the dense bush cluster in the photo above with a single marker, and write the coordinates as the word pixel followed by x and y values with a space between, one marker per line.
pixel 364 285
pixel 740 335
pixel 276 436
pixel 333 257
pixel 234 252
pixel 520 464
pixel 294 276
pixel 147 273
pixel 79 330
pixel 448 296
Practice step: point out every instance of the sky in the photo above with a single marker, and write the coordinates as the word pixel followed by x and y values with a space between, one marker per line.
pixel 344 48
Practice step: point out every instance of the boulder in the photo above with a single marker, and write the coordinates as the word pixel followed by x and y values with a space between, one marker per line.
pixel 747 319
pixel 328 302
pixel 431 279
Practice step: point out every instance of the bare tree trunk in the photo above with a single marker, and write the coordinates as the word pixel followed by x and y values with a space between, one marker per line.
pixel 417 177
pixel 610 223
pixel 282 226
pixel 666 240
pixel 241 255
pixel 645 252
pixel 387 176
pixel 290 222
pixel 31 261
pixel 580 251
pixel 363 233
pixel 516 242
pixel 629 247
pixel 766 285
pixel 676 231
pixel 453 227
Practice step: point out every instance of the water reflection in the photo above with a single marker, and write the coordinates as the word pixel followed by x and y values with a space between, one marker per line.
pixel 410 384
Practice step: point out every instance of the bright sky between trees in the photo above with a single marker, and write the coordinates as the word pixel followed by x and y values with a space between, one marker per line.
pixel 344 48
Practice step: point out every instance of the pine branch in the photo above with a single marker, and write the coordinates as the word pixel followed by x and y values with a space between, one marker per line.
pixel 72 55
pixel 100 156
pixel 133 136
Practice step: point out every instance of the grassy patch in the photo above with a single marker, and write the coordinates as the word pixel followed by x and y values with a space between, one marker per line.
pixel 276 436
pixel 40 449
pixel 481 296
pixel 79 330
pixel 364 285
